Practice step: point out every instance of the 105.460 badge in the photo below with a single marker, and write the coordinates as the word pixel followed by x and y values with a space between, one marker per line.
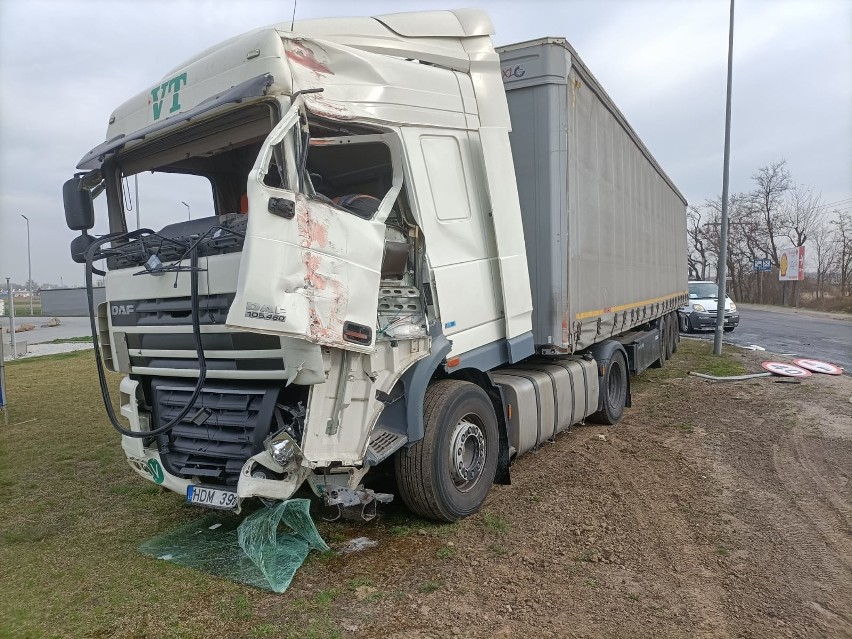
pixel 266 312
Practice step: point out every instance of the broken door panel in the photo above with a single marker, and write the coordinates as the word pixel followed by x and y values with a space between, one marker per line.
pixel 308 267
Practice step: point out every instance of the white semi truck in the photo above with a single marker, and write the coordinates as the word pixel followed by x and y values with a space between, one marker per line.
pixel 419 252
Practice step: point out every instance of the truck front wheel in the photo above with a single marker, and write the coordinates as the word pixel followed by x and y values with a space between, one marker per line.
pixel 447 474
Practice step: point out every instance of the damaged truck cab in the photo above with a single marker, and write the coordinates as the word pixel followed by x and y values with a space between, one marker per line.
pixel 359 287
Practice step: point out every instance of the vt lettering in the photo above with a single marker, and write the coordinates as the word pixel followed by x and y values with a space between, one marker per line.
pixel 169 87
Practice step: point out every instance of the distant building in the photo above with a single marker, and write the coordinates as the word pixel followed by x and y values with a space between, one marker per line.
pixel 69 302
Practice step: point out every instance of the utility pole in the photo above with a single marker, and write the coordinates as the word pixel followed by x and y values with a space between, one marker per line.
pixel 723 231
pixel 29 265
pixel 188 211
pixel 11 318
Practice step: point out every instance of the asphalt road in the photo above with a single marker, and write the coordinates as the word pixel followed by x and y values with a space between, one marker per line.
pixel 794 332
pixel 68 327
pixel 787 331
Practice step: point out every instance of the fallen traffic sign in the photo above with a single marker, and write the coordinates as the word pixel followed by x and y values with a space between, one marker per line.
pixel 788 370
pixel 818 366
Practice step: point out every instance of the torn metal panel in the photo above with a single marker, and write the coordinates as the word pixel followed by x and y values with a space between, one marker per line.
pixel 372 87
pixel 304 257
pixel 297 276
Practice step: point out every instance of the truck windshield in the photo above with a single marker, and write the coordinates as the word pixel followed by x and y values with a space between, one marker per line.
pixel 198 172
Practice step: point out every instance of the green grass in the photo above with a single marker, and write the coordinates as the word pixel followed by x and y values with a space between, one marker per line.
pixel 586 555
pixel 694 355
pixel 362 580
pixel 445 552
pixel 431 586
pixel 22 309
pixel 74 513
pixel 495 524
pixel 325 597
pixel 86 339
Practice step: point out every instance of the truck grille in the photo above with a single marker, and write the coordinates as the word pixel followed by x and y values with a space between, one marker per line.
pixel 214 450
pixel 171 311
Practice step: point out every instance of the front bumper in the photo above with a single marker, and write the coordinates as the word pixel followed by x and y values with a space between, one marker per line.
pixel 705 321
pixel 148 463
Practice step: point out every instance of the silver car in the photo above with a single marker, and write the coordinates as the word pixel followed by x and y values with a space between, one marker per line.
pixel 700 313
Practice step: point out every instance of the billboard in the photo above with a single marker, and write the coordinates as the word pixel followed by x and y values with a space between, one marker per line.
pixel 792 265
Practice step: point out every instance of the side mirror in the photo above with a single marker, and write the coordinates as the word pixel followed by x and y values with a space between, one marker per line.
pixel 79 246
pixel 693 296
pixel 79 210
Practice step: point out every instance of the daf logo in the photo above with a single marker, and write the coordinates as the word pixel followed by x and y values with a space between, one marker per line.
pixel 266 312
pixel 123 309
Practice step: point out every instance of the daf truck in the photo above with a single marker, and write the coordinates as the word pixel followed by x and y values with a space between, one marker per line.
pixel 418 252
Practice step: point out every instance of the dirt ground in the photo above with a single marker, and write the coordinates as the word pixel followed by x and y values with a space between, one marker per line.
pixel 712 510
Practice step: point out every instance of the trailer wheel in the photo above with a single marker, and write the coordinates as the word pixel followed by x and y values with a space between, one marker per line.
pixel 669 331
pixel 613 391
pixel 675 332
pixel 662 327
pixel 447 474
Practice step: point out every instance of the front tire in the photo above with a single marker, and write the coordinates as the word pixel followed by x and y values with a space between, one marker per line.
pixel 446 476
pixel 614 391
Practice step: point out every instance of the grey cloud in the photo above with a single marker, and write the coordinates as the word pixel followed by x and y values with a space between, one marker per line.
pixel 65 66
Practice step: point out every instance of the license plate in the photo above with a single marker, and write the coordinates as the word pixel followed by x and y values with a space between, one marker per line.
pixel 212 497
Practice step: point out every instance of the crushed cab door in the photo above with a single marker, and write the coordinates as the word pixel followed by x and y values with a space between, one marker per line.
pixel 310 269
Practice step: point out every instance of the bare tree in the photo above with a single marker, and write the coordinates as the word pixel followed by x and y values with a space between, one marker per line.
pixel 843 236
pixel 698 251
pixel 824 245
pixel 802 215
pixel 766 202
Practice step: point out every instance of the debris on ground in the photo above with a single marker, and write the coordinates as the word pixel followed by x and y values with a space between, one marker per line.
pixel 54 321
pixel 251 550
pixel 729 378
pixel 356 545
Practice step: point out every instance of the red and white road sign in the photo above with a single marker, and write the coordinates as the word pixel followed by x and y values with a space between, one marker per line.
pixel 817 366
pixel 788 370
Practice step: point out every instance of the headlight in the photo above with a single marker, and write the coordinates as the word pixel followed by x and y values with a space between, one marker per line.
pixel 733 308
pixel 698 307
pixel 283 448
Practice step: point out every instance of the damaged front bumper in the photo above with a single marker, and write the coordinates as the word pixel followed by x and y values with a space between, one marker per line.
pixel 275 473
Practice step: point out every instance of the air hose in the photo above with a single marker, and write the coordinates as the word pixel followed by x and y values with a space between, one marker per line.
pixel 91 256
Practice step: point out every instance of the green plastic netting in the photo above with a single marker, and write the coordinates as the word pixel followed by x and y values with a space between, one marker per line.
pixel 252 551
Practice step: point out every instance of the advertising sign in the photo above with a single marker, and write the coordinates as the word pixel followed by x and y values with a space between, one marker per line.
pixel 792 264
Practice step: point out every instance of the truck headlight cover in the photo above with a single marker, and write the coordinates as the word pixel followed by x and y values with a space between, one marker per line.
pixel 732 308
pixel 698 307
pixel 282 448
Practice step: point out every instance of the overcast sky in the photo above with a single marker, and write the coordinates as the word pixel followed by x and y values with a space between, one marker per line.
pixel 64 66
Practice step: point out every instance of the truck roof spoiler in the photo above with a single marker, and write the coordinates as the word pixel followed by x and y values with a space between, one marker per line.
pixel 254 88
